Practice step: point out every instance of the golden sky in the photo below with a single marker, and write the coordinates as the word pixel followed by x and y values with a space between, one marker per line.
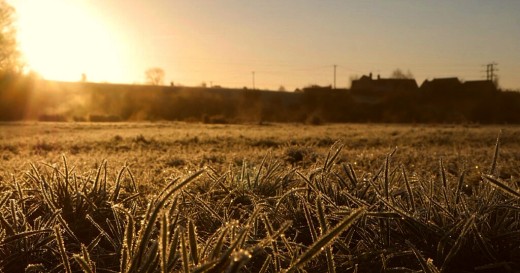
pixel 289 43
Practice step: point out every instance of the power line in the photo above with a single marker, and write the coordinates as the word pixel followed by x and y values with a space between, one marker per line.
pixel 274 72
pixel 335 76
pixel 253 80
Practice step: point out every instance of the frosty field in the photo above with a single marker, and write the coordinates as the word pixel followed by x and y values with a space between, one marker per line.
pixel 163 197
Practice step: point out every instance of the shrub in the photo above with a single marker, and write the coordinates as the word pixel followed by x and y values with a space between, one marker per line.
pixel 314 120
pixel 104 118
pixel 218 119
pixel 52 118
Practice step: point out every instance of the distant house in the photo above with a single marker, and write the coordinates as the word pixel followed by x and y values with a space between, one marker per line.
pixel 442 85
pixel 446 85
pixel 319 90
pixel 366 83
pixel 482 86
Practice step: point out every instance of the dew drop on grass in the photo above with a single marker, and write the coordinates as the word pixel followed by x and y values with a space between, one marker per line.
pixel 241 255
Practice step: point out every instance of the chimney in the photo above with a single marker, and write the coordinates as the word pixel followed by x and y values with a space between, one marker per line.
pixel 378 76
pixel 370 75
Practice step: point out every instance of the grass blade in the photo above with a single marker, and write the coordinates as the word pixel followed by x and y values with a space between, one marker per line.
pixel 61 249
pixel 444 182
pixel 265 265
pixel 493 167
pixel 21 235
pixel 459 242
pixel 163 243
pixel 501 185
pixel 82 262
pixel 184 251
pixel 324 228
pixel 426 265
pixel 460 184
pixel 192 236
pixel 411 198
pixel 220 242
pixel 326 240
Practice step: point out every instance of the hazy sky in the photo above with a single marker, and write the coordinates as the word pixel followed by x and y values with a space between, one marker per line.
pixel 289 43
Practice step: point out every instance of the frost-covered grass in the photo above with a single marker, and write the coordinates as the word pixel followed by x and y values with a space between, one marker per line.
pixel 252 205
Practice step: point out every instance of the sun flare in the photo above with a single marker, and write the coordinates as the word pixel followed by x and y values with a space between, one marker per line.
pixel 62 39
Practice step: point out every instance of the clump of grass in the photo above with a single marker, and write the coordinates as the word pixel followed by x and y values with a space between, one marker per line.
pixel 175 162
pixel 42 147
pixel 296 155
pixel 140 139
pixel 10 148
pixel 266 143
pixel 117 138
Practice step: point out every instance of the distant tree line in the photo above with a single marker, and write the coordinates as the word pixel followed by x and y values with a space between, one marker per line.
pixel 15 92
pixel 25 97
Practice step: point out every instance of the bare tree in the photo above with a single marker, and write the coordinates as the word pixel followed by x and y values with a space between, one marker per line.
pixel 83 77
pixel 399 74
pixel 155 76
pixel 9 54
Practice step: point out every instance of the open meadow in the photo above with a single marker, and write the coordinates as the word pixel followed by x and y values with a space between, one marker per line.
pixel 192 197
pixel 156 152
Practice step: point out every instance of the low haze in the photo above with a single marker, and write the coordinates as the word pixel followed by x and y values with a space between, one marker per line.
pixel 289 43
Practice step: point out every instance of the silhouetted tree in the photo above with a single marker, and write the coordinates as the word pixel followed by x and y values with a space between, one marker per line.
pixel 9 54
pixel 353 78
pixel 155 76
pixel 399 74
pixel 14 89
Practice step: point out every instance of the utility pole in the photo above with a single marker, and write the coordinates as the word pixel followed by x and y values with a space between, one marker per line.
pixel 490 71
pixel 335 76
pixel 253 80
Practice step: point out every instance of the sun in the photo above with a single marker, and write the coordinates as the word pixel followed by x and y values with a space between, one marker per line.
pixel 63 39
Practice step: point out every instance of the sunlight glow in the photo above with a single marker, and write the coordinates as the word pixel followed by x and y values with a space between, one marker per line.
pixel 62 39
pixel 298 44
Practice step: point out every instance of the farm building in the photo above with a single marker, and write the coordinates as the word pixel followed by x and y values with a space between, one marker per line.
pixel 482 86
pixel 453 84
pixel 442 85
pixel 367 83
